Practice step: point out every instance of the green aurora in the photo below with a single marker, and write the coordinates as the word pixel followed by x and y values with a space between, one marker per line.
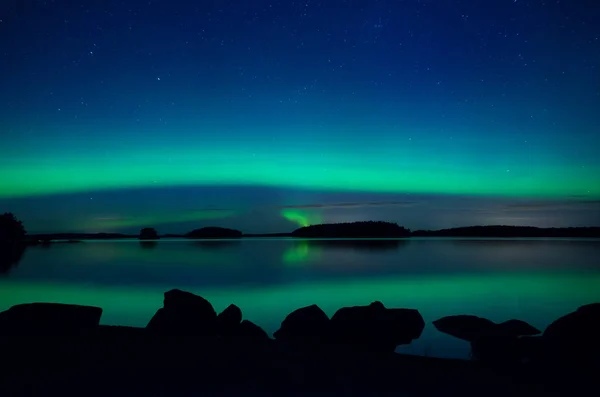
pixel 440 173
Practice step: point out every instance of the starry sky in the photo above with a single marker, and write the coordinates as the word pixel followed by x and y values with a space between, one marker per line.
pixel 268 115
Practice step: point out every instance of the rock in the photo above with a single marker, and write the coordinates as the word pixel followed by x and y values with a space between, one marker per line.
pixel 374 327
pixel 358 325
pixel 507 350
pixel 158 322
pixel 184 314
pixel 575 338
pixel 408 323
pixel 304 327
pixel 496 344
pixel 250 334
pixel 228 320
pixel 181 300
pixel 50 318
pixel 495 350
pixel 466 327
pixel 532 348
pixel 514 328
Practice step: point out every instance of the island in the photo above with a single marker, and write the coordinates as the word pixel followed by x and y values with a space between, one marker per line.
pixel 214 232
pixel 148 233
pixel 53 238
pixel 501 231
pixel 369 229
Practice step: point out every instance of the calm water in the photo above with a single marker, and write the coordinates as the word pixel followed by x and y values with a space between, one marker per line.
pixel 533 280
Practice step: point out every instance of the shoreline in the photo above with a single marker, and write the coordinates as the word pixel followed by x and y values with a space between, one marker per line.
pixel 31 243
pixel 188 348
pixel 347 231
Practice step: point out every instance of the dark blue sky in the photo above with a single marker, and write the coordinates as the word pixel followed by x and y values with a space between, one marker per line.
pixel 266 115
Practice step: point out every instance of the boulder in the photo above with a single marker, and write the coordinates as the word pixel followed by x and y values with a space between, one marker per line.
pixel 575 337
pixel 514 328
pixel 496 344
pixel 176 299
pixel 184 313
pixel 495 350
pixel 158 322
pixel 304 327
pixel 466 327
pixel 251 335
pixel 408 325
pixel 507 350
pixel 375 328
pixel 470 328
pixel 50 318
pixel 531 348
pixel 228 320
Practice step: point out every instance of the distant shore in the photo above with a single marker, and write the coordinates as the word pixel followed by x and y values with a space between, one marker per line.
pixel 341 232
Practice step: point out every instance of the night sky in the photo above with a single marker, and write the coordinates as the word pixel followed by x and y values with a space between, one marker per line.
pixel 266 115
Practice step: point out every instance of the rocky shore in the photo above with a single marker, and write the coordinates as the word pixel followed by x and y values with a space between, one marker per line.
pixel 189 349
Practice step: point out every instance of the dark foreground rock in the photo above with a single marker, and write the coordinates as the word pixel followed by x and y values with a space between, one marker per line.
pixel 65 352
pixel 464 326
pixel 129 361
pixel 228 320
pixel 576 336
pixel 184 313
pixel 49 318
pixel 573 339
pixel 375 328
pixel 307 327
pixel 517 328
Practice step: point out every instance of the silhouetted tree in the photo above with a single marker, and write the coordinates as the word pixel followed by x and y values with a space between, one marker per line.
pixel 148 233
pixel 12 241
pixel 12 230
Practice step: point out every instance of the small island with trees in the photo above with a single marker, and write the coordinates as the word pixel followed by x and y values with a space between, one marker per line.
pixel 213 232
pixel 148 233
pixel 368 229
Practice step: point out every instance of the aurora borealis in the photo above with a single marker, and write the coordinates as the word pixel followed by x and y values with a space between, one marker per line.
pixel 268 115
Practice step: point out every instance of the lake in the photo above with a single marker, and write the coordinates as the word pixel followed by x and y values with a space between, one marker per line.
pixel 535 280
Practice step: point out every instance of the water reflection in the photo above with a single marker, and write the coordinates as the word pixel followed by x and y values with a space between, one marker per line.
pixel 303 250
pixel 524 254
pixel 148 244
pixel 534 280
pixel 508 242
pixel 363 245
pixel 10 256
pixel 536 298
pixel 216 244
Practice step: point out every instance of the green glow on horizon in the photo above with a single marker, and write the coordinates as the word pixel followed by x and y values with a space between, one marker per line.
pixel 415 171
pixel 109 223
pixel 302 218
